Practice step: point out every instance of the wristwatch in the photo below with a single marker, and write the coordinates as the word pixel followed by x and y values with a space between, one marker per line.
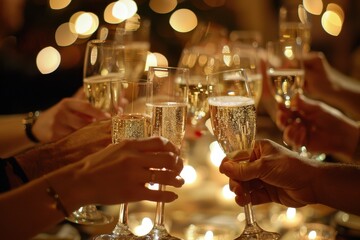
pixel 28 123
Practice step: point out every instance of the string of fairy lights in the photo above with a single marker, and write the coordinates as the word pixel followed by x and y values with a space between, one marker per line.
pixel 83 25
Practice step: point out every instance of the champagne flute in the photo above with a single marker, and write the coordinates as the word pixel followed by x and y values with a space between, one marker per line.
pixel 200 64
pixel 245 55
pixel 130 121
pixel 202 56
pixel 233 119
pixel 167 108
pixel 285 70
pixel 294 23
pixel 286 74
pixel 103 64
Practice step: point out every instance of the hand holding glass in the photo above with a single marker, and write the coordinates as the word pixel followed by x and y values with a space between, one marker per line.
pixel 167 107
pixel 233 119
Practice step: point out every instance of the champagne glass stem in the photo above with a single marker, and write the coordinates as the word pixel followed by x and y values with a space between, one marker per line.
pixel 160 210
pixel 249 214
pixel 121 227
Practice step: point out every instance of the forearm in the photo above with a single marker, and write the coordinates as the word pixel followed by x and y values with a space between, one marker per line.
pixel 33 210
pixel 335 186
pixel 13 139
pixel 39 161
pixel 345 100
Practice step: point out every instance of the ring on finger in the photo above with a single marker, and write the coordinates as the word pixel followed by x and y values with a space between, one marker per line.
pixel 152 178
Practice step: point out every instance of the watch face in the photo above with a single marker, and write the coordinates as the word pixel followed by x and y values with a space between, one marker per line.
pixel 31 118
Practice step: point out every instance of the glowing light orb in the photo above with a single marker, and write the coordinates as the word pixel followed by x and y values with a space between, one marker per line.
pixel 48 60
pixel 183 20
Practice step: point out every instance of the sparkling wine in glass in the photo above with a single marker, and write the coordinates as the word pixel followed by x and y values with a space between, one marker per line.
pixel 200 64
pixel 103 64
pixel 285 70
pixel 233 119
pixel 245 55
pixel 294 23
pixel 167 108
pixel 130 121
pixel 202 56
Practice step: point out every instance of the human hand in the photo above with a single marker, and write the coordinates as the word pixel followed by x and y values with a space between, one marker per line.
pixel 274 174
pixel 119 172
pixel 75 146
pixel 65 117
pixel 318 83
pixel 319 127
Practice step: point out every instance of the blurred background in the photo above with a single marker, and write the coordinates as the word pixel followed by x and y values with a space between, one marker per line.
pixel 41 55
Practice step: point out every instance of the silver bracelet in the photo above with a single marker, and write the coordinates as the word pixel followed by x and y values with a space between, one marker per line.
pixel 58 205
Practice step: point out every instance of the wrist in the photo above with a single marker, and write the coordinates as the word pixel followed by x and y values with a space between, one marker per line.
pixel 69 186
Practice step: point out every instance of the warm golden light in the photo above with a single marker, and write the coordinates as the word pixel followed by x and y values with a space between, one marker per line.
pixel 151 61
pixel 289 53
pixel 226 56
pixel 227 193
pixel 145 227
pixel 337 9
pixel 216 154
pixel 291 213
pixel 331 22
pixel 312 234
pixel 73 19
pixel 183 20
pixel 303 16
pixel 189 174
pixel 162 6
pixel 59 4
pixel 108 14
pixel 313 6
pixel 209 235
pixel 86 23
pixel 120 10
pixel 161 60
pixel 64 36
pixel 48 60
pixel 124 9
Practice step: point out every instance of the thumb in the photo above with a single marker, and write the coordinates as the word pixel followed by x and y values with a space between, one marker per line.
pixel 241 171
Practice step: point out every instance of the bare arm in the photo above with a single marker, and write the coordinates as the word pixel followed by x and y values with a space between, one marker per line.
pixel 12 136
pixel 89 181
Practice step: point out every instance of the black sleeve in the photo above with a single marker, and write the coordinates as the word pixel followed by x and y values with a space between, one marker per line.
pixel 16 168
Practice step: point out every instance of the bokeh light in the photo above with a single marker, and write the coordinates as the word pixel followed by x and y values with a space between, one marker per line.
pixel 333 18
pixel 48 60
pixel 162 6
pixel 86 23
pixel 313 6
pixel 124 9
pixel 183 20
pixel 161 60
pixel 59 4
pixel 189 174
pixel 64 36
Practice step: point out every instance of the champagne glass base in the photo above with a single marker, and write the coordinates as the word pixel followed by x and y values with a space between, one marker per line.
pixel 116 237
pixel 159 233
pixel 89 218
pixel 254 232
pixel 121 232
